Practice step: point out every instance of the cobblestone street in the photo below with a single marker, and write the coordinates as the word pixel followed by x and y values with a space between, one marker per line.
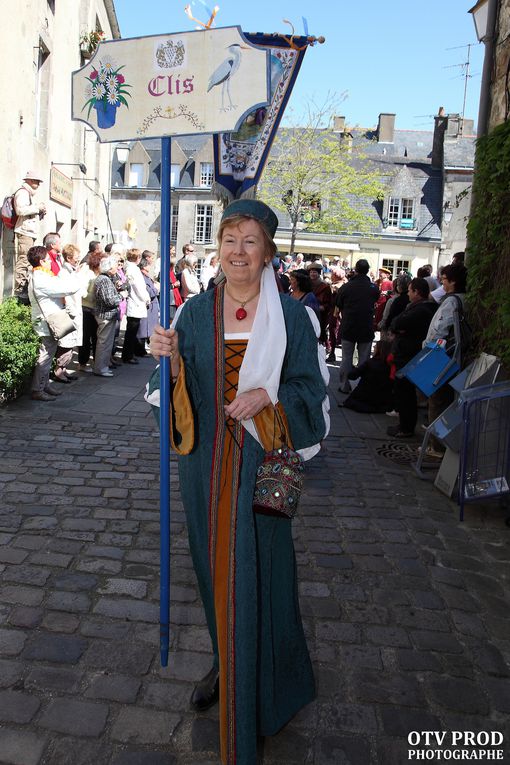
pixel 405 608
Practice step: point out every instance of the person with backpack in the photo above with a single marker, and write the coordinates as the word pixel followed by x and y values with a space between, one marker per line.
pixel 26 229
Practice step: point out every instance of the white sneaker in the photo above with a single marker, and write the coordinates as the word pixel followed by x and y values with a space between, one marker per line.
pixel 392 413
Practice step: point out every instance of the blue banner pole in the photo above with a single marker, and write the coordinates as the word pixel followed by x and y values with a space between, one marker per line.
pixel 164 435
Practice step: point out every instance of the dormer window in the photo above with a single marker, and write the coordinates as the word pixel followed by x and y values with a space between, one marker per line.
pixel 206 174
pixel 136 175
pixel 401 213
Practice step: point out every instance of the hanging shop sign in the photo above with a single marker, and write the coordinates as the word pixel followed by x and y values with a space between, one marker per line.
pixel 176 84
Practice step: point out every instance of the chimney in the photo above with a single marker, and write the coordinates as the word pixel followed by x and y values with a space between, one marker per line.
pixel 440 123
pixel 338 124
pixel 386 128
pixel 453 128
pixel 468 127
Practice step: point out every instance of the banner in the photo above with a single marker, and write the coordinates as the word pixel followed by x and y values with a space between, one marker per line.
pixel 239 157
pixel 175 84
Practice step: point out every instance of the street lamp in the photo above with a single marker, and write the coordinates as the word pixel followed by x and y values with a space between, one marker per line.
pixel 72 164
pixel 480 13
pixel 447 212
pixel 122 150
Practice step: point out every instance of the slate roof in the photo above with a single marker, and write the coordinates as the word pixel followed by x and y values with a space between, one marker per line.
pixel 189 144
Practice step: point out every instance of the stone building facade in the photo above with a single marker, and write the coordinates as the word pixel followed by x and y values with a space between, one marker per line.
pixel 41 45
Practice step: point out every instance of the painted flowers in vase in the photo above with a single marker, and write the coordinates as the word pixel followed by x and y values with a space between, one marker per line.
pixel 106 91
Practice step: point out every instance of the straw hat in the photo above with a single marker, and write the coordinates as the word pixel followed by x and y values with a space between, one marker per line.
pixel 31 176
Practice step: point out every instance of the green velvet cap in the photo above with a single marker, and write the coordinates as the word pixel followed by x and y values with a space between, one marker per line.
pixel 253 208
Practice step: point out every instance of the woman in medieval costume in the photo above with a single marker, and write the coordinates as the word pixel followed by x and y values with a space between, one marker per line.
pixel 244 361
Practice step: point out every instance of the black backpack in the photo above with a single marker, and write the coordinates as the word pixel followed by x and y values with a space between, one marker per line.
pixel 465 338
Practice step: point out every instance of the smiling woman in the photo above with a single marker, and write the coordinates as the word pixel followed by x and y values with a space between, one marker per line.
pixel 245 381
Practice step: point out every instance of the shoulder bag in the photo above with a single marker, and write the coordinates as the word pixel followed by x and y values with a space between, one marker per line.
pixel 279 479
pixel 59 322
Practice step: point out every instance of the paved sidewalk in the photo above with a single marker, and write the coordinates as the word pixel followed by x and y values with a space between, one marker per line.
pixel 406 609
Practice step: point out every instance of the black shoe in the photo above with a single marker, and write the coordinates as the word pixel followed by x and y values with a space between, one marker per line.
pixel 131 361
pixel 207 692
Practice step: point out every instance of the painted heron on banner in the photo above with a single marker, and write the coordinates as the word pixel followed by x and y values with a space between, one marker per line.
pixel 224 73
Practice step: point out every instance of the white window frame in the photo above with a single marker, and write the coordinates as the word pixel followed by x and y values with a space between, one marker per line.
pixel 393 211
pixel 206 175
pixel 136 173
pixel 395 265
pixel 407 210
pixel 401 209
pixel 174 222
pixel 175 173
pixel 203 224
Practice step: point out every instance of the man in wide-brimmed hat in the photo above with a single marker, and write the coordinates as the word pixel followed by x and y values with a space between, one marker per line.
pixel 26 229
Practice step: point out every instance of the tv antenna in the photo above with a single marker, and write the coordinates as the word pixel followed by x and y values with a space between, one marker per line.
pixel 466 74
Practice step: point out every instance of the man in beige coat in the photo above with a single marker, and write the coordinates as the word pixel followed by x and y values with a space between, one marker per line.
pixel 26 229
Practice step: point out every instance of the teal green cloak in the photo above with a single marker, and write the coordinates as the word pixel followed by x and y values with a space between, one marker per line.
pixel 272 671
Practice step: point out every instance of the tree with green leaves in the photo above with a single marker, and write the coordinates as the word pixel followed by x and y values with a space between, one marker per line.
pixel 320 177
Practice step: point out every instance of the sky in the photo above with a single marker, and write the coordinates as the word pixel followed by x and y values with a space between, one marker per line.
pixel 406 57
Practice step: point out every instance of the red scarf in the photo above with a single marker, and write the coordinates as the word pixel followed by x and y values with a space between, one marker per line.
pixel 55 264
pixel 177 294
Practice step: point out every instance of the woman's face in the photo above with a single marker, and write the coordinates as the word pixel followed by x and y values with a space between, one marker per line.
pixel 448 286
pixel 74 259
pixel 293 283
pixel 243 253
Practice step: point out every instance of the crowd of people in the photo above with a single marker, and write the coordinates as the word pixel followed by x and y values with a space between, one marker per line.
pixel 97 292
pixel 353 307
pixel 383 322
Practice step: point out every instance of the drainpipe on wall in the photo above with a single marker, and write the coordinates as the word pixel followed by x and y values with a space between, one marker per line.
pixel 112 19
pixel 488 64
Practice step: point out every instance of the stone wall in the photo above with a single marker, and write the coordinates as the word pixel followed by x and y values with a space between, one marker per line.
pixel 500 89
pixel 40 49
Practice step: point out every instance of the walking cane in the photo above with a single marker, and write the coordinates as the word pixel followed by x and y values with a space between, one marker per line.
pixel 164 432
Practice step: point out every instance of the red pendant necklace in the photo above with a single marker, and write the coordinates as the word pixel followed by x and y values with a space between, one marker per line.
pixel 241 312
